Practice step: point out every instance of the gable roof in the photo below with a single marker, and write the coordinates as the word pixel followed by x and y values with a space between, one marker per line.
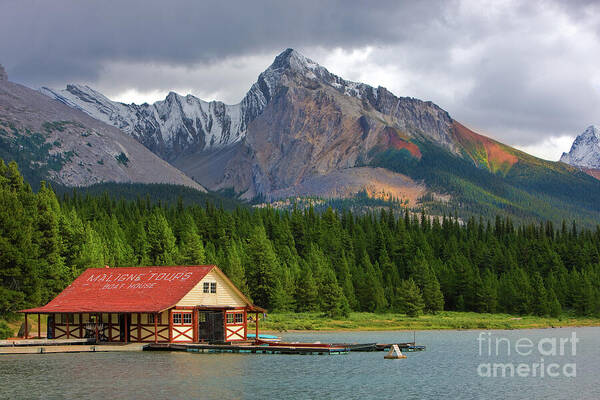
pixel 135 289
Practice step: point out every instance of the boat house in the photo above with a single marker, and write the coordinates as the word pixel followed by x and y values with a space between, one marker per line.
pixel 149 304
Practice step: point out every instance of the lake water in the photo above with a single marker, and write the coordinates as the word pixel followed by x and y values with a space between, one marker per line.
pixel 449 369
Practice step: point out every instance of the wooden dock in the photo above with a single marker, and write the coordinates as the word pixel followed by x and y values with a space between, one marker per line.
pixel 45 346
pixel 288 348
pixel 281 348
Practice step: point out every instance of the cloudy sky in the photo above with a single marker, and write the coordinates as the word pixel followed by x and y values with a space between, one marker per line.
pixel 524 72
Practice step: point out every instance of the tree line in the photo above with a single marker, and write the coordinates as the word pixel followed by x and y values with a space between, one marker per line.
pixel 300 260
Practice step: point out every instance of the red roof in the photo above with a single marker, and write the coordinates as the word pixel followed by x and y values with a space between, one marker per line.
pixel 139 289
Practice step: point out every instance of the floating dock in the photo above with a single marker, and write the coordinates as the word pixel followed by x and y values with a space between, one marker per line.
pixel 281 348
pixel 44 346
pixel 287 348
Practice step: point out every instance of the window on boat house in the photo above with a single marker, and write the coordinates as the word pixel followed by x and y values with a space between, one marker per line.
pixel 180 318
pixel 151 319
pixel 177 319
pixel 235 318
pixel 209 287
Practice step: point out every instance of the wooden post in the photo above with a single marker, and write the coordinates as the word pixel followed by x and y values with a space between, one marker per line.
pixel 225 325
pixel 26 327
pixel 97 322
pixel 53 326
pixel 139 327
pixel 80 326
pixel 39 326
pixel 110 327
pixel 68 328
pixel 126 333
pixel 245 324
pixel 256 327
pixel 155 327
pixel 195 325
pixel 170 326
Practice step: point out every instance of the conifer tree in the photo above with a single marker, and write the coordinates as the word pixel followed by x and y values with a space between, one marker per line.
pixel 261 265
pixel 307 292
pixel 411 300
pixel 333 302
pixel 233 267
pixel 191 248
pixel 433 298
pixel 161 241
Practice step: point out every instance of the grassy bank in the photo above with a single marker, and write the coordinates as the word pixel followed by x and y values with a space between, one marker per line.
pixel 443 320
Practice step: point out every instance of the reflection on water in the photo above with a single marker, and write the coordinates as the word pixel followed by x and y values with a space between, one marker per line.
pixel 448 369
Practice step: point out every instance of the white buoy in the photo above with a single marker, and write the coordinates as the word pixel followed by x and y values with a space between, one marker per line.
pixel 394 353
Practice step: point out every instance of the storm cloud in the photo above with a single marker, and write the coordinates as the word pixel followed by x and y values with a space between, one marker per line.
pixel 524 72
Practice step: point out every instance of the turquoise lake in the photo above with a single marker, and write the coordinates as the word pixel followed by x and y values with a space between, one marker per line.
pixel 449 369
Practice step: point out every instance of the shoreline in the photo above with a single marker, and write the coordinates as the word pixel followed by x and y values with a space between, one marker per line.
pixel 448 320
pixel 274 332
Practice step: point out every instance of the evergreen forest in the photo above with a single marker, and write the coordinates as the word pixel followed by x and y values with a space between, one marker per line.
pixel 332 262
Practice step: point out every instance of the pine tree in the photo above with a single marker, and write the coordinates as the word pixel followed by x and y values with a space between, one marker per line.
pixel 554 307
pixel 261 265
pixel 52 269
pixel 161 241
pixel 540 305
pixel 307 292
pixel 233 267
pixel 333 302
pixel 433 298
pixel 191 249
pixel 411 300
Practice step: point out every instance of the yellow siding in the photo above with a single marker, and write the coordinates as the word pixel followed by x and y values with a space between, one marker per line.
pixel 225 295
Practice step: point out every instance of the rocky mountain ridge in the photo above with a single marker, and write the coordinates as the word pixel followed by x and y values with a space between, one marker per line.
pixel 183 124
pixel 67 146
pixel 297 122
pixel 585 151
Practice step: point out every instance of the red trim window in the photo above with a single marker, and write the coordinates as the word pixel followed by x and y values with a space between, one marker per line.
pixel 235 318
pixel 239 318
pixel 182 318
pixel 151 319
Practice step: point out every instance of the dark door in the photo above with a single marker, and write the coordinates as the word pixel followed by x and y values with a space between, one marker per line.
pixel 210 326
pixel 49 325
pixel 122 331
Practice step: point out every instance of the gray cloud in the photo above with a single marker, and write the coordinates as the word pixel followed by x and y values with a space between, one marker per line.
pixel 523 71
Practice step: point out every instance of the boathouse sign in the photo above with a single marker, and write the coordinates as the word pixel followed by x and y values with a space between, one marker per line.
pixel 136 280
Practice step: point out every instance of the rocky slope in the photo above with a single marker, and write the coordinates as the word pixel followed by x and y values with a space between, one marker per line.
pixel 297 122
pixel 63 144
pixel 585 152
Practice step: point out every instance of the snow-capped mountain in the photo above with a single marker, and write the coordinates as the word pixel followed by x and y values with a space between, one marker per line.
pixel 166 127
pixel 184 124
pixel 54 142
pixel 585 151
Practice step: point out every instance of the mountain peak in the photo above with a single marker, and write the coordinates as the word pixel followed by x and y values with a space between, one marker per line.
pixel 585 151
pixel 591 131
pixel 293 60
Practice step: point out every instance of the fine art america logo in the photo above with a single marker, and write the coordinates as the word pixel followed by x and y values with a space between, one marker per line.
pixel 546 354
